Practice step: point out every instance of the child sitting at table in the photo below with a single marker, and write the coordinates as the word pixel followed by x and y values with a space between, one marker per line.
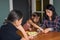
pixel 33 23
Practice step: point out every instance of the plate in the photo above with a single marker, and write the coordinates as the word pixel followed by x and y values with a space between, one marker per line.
pixel 32 33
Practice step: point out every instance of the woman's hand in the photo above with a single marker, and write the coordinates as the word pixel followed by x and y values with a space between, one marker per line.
pixel 23 39
pixel 31 37
pixel 47 30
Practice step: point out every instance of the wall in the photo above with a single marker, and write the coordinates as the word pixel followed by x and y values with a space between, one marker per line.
pixel 22 5
pixel 57 6
pixel 4 10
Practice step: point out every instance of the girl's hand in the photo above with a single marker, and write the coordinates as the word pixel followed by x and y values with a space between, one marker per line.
pixel 31 37
pixel 41 29
pixel 30 29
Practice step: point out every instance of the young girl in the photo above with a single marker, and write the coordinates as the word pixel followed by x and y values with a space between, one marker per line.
pixel 33 23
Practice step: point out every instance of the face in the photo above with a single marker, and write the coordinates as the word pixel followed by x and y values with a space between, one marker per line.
pixel 36 19
pixel 18 22
pixel 49 12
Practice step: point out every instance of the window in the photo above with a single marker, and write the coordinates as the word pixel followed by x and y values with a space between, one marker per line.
pixel 39 6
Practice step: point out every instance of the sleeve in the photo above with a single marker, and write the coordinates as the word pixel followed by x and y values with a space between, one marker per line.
pixel 7 34
pixel 43 24
pixel 12 36
pixel 57 28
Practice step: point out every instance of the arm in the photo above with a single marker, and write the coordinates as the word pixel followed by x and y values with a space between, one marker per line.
pixel 56 27
pixel 23 32
pixel 46 29
pixel 36 26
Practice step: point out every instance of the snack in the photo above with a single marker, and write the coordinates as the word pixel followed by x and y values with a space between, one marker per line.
pixel 32 33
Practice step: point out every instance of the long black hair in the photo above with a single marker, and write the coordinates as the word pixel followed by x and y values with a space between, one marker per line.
pixel 52 8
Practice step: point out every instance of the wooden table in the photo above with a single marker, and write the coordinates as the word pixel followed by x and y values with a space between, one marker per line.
pixel 43 36
pixel 48 36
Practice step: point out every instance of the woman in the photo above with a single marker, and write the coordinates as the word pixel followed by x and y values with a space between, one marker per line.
pixel 51 20
pixel 8 30
pixel 33 23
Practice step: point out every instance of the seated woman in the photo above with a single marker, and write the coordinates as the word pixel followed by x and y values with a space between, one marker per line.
pixel 33 23
pixel 8 30
pixel 51 21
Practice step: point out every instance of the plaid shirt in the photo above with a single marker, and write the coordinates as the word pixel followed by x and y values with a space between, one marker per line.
pixel 55 25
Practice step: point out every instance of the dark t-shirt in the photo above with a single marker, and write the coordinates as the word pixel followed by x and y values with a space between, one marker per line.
pixel 8 32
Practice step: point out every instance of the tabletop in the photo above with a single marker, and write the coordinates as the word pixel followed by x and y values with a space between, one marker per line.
pixel 48 36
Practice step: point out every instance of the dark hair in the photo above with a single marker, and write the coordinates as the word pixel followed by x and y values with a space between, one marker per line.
pixel 36 14
pixel 14 15
pixel 50 7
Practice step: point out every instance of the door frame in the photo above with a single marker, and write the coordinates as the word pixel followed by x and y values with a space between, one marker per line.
pixel 10 5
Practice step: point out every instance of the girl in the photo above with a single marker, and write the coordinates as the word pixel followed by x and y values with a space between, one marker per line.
pixel 51 20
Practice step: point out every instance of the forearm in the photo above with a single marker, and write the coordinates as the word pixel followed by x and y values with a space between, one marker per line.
pixel 36 26
pixel 23 32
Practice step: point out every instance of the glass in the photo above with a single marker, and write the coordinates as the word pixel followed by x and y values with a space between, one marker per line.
pixel 38 5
